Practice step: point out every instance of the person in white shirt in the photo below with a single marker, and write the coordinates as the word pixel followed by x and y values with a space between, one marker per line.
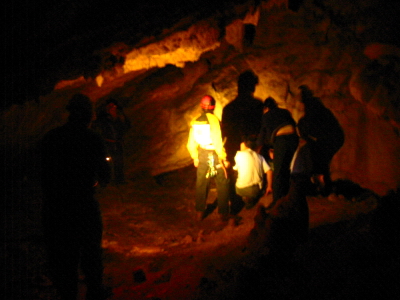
pixel 251 168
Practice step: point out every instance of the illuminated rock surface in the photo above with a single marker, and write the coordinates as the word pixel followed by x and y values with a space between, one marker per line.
pixel 159 79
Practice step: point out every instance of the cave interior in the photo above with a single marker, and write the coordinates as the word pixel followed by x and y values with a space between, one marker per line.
pixel 158 59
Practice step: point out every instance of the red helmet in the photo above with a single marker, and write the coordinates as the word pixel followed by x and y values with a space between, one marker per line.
pixel 207 102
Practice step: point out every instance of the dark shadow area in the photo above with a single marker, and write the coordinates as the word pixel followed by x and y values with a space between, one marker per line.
pixel 249 34
pixel 351 259
pixel 210 208
pixel 346 259
pixel 321 138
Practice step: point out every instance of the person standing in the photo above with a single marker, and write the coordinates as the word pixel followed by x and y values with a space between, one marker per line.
pixel 242 116
pixel 323 136
pixel 73 162
pixel 112 124
pixel 251 168
pixel 278 132
pixel 209 157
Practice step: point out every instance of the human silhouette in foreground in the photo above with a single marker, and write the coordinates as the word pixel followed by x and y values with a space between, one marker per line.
pixel 323 135
pixel 73 164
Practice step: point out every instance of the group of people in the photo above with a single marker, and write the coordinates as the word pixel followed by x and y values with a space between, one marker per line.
pixel 257 147
pixel 248 153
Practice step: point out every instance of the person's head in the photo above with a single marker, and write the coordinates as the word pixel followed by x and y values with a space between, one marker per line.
pixel 247 82
pixel 311 103
pixel 269 104
pixel 80 109
pixel 207 103
pixel 306 93
pixel 249 141
pixel 112 107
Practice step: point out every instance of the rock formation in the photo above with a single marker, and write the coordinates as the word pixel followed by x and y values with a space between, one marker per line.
pixel 345 51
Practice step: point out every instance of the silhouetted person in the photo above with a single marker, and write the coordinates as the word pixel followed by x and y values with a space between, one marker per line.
pixel 278 131
pixel 242 116
pixel 112 124
pixel 73 163
pixel 324 137
pixel 209 157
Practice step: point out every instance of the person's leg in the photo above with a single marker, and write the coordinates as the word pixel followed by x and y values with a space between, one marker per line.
pixel 63 264
pixel 236 203
pixel 284 148
pixel 249 195
pixel 111 153
pixel 91 251
pixel 63 257
pixel 119 164
pixel 223 192
pixel 202 182
pixel 322 157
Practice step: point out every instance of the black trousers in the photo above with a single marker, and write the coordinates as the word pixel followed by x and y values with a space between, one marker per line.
pixel 202 183
pixel 116 152
pixel 284 148
pixel 73 232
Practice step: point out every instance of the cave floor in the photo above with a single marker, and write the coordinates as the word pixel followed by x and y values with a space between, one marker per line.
pixel 155 249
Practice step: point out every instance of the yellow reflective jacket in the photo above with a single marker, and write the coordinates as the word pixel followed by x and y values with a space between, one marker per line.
pixel 207 135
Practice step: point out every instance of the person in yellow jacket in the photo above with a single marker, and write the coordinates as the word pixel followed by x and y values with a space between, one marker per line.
pixel 206 147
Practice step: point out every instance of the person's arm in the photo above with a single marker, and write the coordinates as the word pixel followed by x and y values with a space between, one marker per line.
pixel 269 174
pixel 192 147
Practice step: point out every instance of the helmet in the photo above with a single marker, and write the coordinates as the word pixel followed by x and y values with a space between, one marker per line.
pixel 207 102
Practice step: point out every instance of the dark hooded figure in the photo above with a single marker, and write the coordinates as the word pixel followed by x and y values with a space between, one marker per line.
pixel 112 124
pixel 73 164
pixel 323 135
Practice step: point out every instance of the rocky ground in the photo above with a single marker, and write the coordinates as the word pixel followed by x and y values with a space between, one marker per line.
pixel 155 249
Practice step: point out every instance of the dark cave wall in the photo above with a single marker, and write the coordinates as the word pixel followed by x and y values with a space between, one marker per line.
pixel 346 51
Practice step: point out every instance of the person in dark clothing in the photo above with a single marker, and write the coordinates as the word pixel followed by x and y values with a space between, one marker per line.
pixel 73 161
pixel 323 136
pixel 278 132
pixel 112 124
pixel 242 116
